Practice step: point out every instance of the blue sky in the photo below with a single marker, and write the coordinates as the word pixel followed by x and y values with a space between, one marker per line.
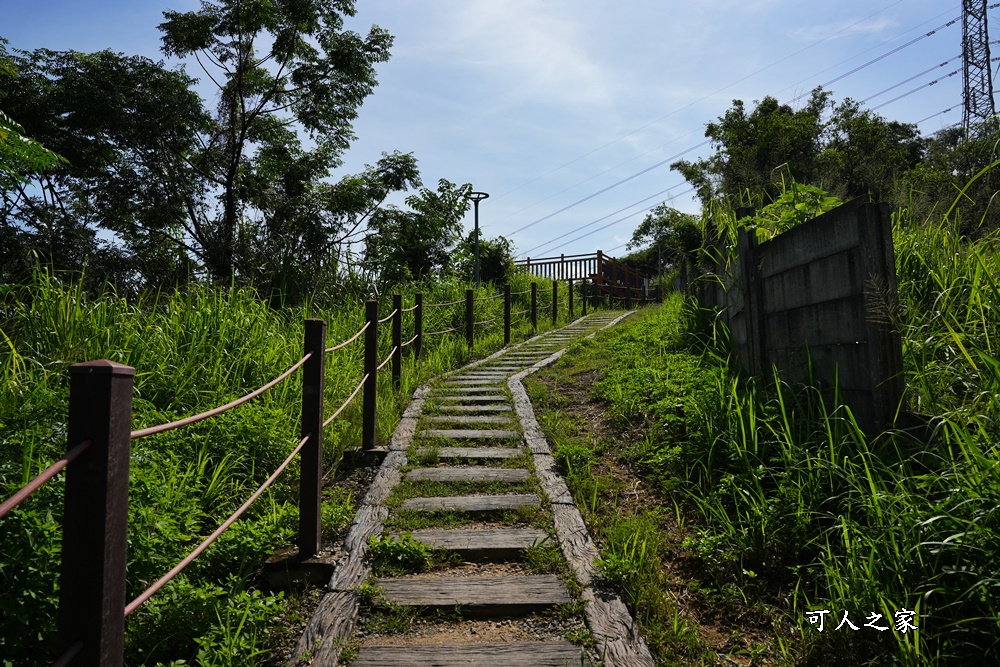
pixel 543 103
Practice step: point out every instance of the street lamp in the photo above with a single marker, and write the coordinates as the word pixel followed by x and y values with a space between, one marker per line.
pixel 477 197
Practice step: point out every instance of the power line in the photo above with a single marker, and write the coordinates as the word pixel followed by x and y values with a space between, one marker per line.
pixel 702 99
pixel 915 76
pixel 612 186
pixel 910 92
pixel 625 208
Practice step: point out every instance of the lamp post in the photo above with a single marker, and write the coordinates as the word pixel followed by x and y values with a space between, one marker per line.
pixel 477 197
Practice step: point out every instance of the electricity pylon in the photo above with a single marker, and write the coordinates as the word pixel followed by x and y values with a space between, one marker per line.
pixel 978 94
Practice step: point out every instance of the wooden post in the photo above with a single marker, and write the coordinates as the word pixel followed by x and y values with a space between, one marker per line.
pixel 583 295
pixel 600 267
pixel 469 319
pixel 95 515
pixel 506 315
pixel 534 306
pixel 418 325
pixel 397 340
pixel 371 368
pixel 570 299
pixel 555 301
pixel 311 456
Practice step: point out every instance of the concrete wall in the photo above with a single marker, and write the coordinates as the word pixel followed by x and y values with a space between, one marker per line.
pixel 811 297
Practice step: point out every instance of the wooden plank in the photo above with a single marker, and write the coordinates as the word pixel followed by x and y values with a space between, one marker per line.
pixel 469 419
pixel 474 452
pixel 475 408
pixel 553 653
pixel 495 503
pixel 478 596
pixel 473 399
pixel 468 474
pixel 470 434
pixel 328 630
pixel 483 543
pixel 469 383
pixel 468 390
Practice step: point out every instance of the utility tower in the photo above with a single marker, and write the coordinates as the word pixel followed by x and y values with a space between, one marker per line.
pixel 978 94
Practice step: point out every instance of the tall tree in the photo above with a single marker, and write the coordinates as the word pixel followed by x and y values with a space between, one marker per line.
pixel 125 125
pixel 279 66
pixel 669 234
pixel 402 245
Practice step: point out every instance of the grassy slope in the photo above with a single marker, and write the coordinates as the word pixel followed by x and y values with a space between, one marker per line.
pixel 767 507
pixel 192 350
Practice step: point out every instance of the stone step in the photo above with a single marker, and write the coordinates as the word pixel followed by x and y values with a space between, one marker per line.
pixel 495 503
pixel 478 597
pixel 470 434
pixel 552 653
pixel 469 419
pixel 474 408
pixel 475 544
pixel 467 474
pixel 474 452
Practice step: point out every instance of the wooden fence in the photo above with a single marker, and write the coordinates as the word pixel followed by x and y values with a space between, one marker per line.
pixel 92 607
pixel 607 275
pixel 816 302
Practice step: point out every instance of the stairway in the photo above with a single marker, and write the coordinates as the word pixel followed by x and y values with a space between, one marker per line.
pixel 465 437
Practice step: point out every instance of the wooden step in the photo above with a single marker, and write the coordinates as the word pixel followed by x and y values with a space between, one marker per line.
pixel 474 382
pixel 472 399
pixel 474 408
pixel 474 452
pixel 478 597
pixel 470 434
pixel 468 474
pixel 471 390
pixel 475 544
pixel 469 419
pixel 496 503
pixel 552 653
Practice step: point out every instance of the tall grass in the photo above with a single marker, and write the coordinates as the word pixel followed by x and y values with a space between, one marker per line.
pixel 192 350
pixel 794 501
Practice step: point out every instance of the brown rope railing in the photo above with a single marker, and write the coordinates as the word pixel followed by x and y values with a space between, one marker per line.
pixel 441 305
pixel 348 341
pixel 409 341
pixel 387 359
pixel 387 317
pixel 495 319
pixel 68 655
pixel 142 433
pixel 347 402
pixel 443 331
pixel 527 291
pixel 488 298
pixel 413 307
pixel 43 477
pixel 174 571
pixel 521 312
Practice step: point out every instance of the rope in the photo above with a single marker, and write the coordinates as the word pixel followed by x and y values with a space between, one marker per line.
pixel 136 603
pixel 388 317
pixel 521 312
pixel 527 291
pixel 387 359
pixel 444 331
pixel 68 656
pixel 42 478
pixel 441 305
pixel 489 298
pixel 219 410
pixel 349 341
pixel 475 324
pixel 409 341
pixel 413 307
pixel 347 402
